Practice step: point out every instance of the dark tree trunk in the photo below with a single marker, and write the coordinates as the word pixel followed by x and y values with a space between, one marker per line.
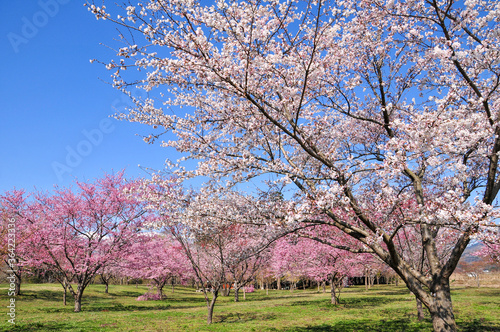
pixel 334 299
pixel 17 283
pixel 441 309
pixel 210 307
pixel 236 294
pixel 78 298
pixel 420 310
pixel 159 290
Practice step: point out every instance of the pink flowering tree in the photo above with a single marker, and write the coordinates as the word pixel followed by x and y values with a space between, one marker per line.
pixel 77 232
pixel 358 104
pixel 304 257
pixel 247 252
pixel 490 251
pixel 159 259
pixel 15 249
pixel 216 230
pixel 288 261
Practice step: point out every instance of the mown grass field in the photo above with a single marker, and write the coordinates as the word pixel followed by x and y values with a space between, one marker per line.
pixel 382 308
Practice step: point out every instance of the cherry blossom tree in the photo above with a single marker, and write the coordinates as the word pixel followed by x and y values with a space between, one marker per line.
pixel 361 105
pixel 15 249
pixel 216 229
pixel 156 258
pixel 303 257
pixel 77 232
pixel 491 252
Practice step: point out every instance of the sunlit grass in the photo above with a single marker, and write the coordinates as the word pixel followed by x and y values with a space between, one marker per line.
pixel 382 308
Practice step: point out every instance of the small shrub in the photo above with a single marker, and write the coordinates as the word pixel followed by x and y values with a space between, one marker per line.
pixel 249 289
pixel 149 297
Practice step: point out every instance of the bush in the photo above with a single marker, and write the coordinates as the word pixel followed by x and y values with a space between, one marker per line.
pixel 149 297
pixel 249 289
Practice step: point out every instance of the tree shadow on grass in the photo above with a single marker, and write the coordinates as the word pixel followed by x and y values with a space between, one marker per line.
pixel 125 293
pixel 403 291
pixel 478 325
pixel 52 296
pixel 366 326
pixel 35 327
pixel 396 325
pixel 369 301
pixel 274 297
pixel 121 307
pixel 238 317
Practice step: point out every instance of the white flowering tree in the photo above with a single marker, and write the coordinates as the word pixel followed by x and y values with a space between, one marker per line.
pixel 363 106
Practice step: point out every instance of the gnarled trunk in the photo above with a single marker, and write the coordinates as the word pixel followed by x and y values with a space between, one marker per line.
pixel 78 298
pixel 441 309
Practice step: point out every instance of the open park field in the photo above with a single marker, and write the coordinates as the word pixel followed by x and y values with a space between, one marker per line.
pixel 381 308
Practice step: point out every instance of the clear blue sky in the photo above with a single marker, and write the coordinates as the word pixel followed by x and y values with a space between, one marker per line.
pixel 54 106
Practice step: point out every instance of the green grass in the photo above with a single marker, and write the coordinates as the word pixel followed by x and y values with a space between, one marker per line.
pixel 382 308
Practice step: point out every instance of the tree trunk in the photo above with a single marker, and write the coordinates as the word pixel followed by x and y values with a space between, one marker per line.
pixel 78 299
pixel 17 283
pixel 159 289
pixel 334 299
pixel 244 294
pixel 210 307
pixel 420 310
pixel 441 309
pixel 278 283
pixel 324 286
pixel 65 287
pixel 236 293
pixel 267 287
pixel 106 290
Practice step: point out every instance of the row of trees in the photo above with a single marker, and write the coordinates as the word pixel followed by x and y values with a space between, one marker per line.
pixel 381 116
pixel 156 230
pixel 115 228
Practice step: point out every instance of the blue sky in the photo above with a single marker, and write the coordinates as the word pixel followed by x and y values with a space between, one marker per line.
pixel 55 108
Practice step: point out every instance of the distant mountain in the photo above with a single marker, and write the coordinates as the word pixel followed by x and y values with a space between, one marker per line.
pixel 468 256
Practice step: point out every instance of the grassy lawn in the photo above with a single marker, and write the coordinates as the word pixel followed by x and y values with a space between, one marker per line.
pixel 382 308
